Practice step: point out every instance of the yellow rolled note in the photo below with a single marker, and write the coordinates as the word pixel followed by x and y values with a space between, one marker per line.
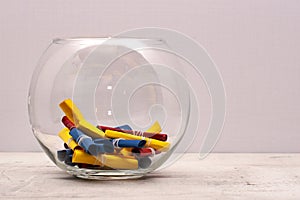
pixel 119 162
pixel 90 129
pixel 156 144
pixel 112 161
pixel 67 138
pixel 155 128
pixel 126 151
pixel 71 111
pixel 74 114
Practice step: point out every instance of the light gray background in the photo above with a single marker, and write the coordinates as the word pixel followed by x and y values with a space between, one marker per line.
pixel 255 44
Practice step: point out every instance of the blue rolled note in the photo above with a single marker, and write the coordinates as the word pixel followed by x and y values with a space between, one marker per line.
pixel 88 144
pixel 128 143
pixel 106 143
pixel 102 141
pixel 68 160
pixel 65 156
pixel 62 154
pixel 125 127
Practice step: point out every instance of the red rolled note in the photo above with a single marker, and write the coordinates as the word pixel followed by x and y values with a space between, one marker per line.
pixel 68 123
pixel 142 152
pixel 157 136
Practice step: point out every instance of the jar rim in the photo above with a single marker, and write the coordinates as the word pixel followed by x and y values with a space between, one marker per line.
pixel 85 40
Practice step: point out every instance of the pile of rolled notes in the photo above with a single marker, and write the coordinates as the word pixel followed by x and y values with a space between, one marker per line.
pixel 103 147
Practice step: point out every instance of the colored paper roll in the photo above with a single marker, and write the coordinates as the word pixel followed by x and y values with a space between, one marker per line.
pixel 74 115
pixel 156 144
pixel 90 129
pixel 102 141
pixel 71 111
pixel 126 151
pixel 67 138
pixel 62 154
pixel 142 152
pixel 66 146
pixel 68 123
pixel 112 161
pixel 68 160
pixel 155 128
pixel 157 136
pixel 88 144
pixel 128 143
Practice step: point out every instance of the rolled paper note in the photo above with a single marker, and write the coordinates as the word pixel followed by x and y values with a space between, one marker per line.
pixel 105 142
pixel 155 128
pixel 67 138
pixel 90 129
pixel 144 162
pixel 102 141
pixel 142 152
pixel 68 160
pixel 119 162
pixel 66 146
pixel 126 151
pixel 119 142
pixel 84 158
pixel 88 144
pixel 156 144
pixel 62 154
pixel 68 123
pixel 112 161
pixel 74 115
pixel 157 136
pixel 71 111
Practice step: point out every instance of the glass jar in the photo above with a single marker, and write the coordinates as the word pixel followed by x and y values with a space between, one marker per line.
pixel 113 81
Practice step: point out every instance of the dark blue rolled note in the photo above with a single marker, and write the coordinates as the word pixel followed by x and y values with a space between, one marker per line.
pixel 88 144
pixel 128 143
pixel 62 154
pixel 68 160
pixel 65 156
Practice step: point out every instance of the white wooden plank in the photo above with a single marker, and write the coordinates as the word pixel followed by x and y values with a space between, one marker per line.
pixel 219 176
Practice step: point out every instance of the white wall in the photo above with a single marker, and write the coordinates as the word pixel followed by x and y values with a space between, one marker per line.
pixel 256 45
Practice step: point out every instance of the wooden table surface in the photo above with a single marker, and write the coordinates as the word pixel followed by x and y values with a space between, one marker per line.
pixel 219 176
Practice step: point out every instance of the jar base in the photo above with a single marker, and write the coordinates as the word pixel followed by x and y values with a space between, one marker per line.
pixel 105 174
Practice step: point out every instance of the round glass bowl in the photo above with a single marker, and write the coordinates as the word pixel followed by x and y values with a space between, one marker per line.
pixel 113 82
